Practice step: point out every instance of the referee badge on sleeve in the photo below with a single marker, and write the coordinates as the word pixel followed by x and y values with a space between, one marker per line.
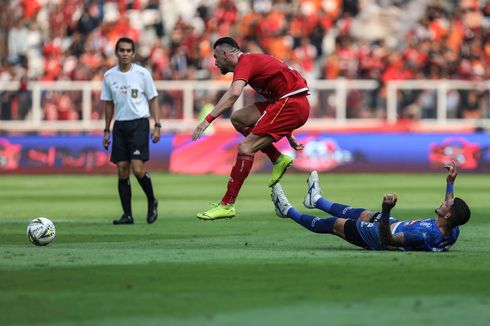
pixel 134 93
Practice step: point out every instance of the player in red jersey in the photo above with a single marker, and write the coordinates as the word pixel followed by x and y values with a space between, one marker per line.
pixel 286 108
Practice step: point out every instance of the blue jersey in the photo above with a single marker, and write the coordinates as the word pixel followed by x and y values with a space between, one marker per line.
pixel 419 235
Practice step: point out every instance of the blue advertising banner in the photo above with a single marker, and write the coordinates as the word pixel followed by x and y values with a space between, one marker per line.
pixel 356 152
pixel 391 152
pixel 69 154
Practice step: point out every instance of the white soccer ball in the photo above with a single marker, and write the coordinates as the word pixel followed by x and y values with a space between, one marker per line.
pixel 41 231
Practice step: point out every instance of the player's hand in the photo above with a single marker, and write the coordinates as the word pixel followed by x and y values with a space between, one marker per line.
pixel 294 143
pixel 106 141
pixel 452 171
pixel 200 129
pixel 389 201
pixel 155 136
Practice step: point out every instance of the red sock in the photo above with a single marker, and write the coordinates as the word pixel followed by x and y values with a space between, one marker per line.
pixel 271 151
pixel 238 174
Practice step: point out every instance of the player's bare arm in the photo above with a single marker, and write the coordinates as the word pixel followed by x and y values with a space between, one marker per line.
pixel 225 103
pixel 155 113
pixel 294 143
pixel 387 239
pixel 109 113
pixel 451 177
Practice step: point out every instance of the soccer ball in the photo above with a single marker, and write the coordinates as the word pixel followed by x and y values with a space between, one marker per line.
pixel 41 231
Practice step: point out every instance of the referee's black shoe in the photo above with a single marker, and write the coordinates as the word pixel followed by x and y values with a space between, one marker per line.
pixel 152 215
pixel 124 220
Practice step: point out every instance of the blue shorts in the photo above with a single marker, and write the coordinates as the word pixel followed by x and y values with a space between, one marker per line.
pixel 365 234
pixel 369 232
pixel 352 235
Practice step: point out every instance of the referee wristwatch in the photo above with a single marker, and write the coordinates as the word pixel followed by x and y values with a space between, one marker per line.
pixel 158 125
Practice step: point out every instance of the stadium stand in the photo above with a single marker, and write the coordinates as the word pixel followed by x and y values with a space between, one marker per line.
pixel 382 41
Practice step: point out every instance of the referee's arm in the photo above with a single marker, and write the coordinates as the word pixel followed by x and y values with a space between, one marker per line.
pixel 109 113
pixel 155 113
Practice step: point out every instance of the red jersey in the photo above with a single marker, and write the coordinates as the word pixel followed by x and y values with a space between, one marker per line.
pixel 268 76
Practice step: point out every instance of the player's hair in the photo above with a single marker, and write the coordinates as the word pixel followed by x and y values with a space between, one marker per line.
pixel 125 40
pixel 460 212
pixel 226 40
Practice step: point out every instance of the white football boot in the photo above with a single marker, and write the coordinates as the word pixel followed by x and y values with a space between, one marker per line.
pixel 281 203
pixel 314 191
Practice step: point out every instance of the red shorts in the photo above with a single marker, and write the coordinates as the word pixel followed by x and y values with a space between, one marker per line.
pixel 279 118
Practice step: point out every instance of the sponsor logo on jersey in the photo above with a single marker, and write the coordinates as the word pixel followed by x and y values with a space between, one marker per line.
pixel 123 89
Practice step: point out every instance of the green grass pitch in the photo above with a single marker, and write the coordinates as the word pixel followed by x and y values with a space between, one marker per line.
pixel 255 269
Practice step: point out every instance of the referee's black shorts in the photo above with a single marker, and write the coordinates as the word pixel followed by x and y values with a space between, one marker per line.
pixel 131 140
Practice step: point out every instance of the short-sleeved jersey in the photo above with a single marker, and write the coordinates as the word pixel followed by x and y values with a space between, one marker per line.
pixel 419 235
pixel 130 91
pixel 268 76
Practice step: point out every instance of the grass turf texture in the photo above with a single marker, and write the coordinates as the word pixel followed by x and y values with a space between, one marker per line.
pixel 255 269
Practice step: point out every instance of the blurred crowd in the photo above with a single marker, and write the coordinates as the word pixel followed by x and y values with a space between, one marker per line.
pixel 324 39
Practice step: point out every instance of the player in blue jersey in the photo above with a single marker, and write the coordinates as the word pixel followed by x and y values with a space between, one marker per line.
pixel 377 230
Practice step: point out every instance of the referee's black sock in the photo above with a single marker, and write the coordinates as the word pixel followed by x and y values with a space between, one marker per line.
pixel 145 183
pixel 124 187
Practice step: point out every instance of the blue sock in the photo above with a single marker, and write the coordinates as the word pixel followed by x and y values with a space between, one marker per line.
pixel 293 214
pixel 312 223
pixel 324 205
pixel 338 210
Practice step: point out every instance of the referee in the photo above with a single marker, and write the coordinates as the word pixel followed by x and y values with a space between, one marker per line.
pixel 129 88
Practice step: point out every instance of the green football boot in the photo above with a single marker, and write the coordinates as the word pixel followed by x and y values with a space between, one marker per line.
pixel 279 168
pixel 218 211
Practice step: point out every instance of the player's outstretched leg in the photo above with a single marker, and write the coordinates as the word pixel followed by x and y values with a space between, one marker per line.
pixel 284 209
pixel 314 191
pixel 218 211
pixel 279 168
pixel 314 199
pixel 281 202
pixel 226 207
